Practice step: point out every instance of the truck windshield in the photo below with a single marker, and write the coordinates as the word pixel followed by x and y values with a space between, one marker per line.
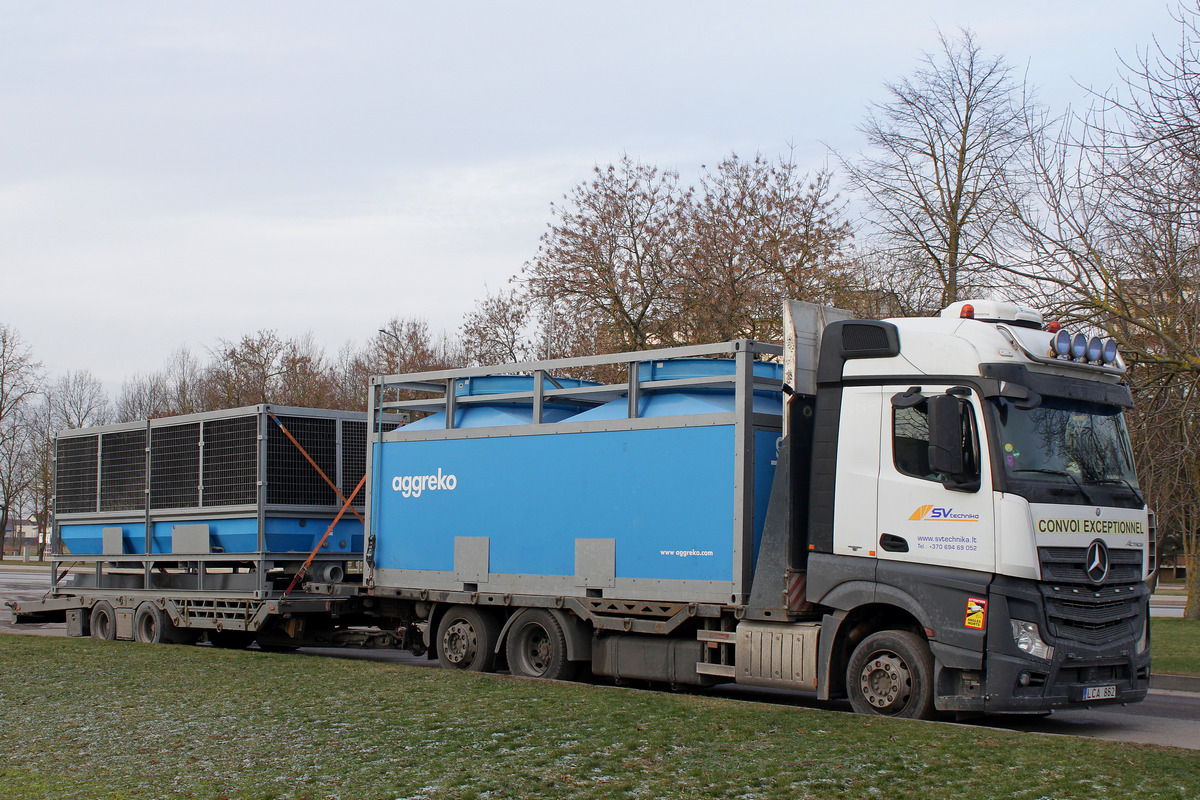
pixel 1067 449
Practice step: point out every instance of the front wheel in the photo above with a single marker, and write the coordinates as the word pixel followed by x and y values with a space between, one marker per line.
pixel 467 638
pixel 537 647
pixel 891 674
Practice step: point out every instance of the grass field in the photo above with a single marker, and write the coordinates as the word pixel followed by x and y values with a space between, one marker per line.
pixel 88 719
pixel 1175 646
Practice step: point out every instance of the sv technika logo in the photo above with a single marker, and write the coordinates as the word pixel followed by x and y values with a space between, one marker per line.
pixel 933 513
pixel 415 485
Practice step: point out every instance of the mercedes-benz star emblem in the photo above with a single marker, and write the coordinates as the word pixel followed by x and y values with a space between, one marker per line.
pixel 1097 562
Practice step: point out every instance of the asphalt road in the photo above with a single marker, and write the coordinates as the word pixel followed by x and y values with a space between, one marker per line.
pixel 1164 718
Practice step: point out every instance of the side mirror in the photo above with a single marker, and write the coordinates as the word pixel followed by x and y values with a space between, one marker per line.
pixel 945 435
pixel 947 453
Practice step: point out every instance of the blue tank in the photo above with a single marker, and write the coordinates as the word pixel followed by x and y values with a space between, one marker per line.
pixel 489 415
pixel 671 402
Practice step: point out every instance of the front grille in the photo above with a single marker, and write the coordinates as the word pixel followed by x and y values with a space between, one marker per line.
pixel 1078 610
pixel 1066 565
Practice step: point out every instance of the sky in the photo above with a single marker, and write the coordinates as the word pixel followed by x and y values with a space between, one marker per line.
pixel 176 173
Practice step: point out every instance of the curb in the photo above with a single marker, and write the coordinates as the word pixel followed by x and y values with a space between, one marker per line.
pixel 1174 683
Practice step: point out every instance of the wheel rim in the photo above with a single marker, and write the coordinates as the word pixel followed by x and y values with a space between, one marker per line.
pixel 886 682
pixel 147 627
pixel 536 650
pixel 460 643
pixel 103 625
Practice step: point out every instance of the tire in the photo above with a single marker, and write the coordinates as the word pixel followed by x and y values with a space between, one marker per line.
pixel 467 639
pixel 150 624
pixel 153 625
pixel 891 674
pixel 103 621
pixel 537 647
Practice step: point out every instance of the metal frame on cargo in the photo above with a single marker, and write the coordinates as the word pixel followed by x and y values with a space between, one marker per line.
pixel 591 590
pixel 200 471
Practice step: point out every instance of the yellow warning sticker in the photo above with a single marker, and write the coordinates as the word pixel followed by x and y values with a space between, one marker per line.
pixel 976 613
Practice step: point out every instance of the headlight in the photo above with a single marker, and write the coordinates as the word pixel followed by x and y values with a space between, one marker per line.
pixel 1144 641
pixel 1029 639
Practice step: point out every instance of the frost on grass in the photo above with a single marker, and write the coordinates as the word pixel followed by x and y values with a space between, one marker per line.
pixel 148 722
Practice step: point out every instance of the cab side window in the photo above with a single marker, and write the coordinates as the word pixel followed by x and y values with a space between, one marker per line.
pixel 910 443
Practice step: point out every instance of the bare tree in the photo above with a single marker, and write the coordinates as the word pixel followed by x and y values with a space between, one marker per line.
pixel 16 467
pixel 78 400
pixel 20 380
pixel 759 231
pixel 402 345
pixel 498 329
pixel 306 379
pixel 1112 227
pixel 246 372
pixel 20 373
pixel 614 249
pixel 946 150
pixel 41 490
pixel 180 387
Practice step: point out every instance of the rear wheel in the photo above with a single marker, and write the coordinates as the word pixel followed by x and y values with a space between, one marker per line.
pixel 891 674
pixel 467 638
pixel 103 621
pixel 150 624
pixel 537 647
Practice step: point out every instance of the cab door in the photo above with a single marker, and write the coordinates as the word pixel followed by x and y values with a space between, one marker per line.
pixel 926 516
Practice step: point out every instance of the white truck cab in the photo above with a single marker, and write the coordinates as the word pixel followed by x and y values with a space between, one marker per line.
pixel 983 485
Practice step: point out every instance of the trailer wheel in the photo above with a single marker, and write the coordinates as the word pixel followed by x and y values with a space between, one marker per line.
pixel 103 621
pixel 150 624
pixel 537 647
pixel 467 638
pixel 891 674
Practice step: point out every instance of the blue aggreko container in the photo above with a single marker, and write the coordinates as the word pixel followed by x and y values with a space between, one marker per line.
pixel 668 503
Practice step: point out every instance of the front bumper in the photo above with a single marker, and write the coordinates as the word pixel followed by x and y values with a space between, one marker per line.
pixel 1104 671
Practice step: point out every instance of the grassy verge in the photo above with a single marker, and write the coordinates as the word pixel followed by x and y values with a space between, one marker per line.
pixel 1175 645
pixel 89 719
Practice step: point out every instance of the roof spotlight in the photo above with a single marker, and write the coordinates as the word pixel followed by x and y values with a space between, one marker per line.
pixel 1095 348
pixel 1078 346
pixel 1110 351
pixel 1062 344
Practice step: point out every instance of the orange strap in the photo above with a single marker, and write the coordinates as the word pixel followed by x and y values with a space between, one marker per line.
pixel 332 525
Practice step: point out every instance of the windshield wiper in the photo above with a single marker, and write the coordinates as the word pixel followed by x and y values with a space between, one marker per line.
pixel 1078 485
pixel 1132 489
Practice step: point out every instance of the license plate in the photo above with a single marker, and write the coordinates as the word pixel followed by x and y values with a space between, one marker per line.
pixel 1099 692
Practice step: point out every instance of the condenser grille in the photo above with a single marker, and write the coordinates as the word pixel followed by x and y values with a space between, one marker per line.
pixel 75 476
pixel 175 466
pixel 354 455
pixel 291 480
pixel 231 461
pixel 123 471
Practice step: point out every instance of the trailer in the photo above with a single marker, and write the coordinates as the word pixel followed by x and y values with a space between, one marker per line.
pixel 922 515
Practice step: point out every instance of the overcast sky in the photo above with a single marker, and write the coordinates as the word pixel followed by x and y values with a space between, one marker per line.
pixel 176 173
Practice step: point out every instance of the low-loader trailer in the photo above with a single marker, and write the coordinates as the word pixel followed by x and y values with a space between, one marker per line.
pixel 922 515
